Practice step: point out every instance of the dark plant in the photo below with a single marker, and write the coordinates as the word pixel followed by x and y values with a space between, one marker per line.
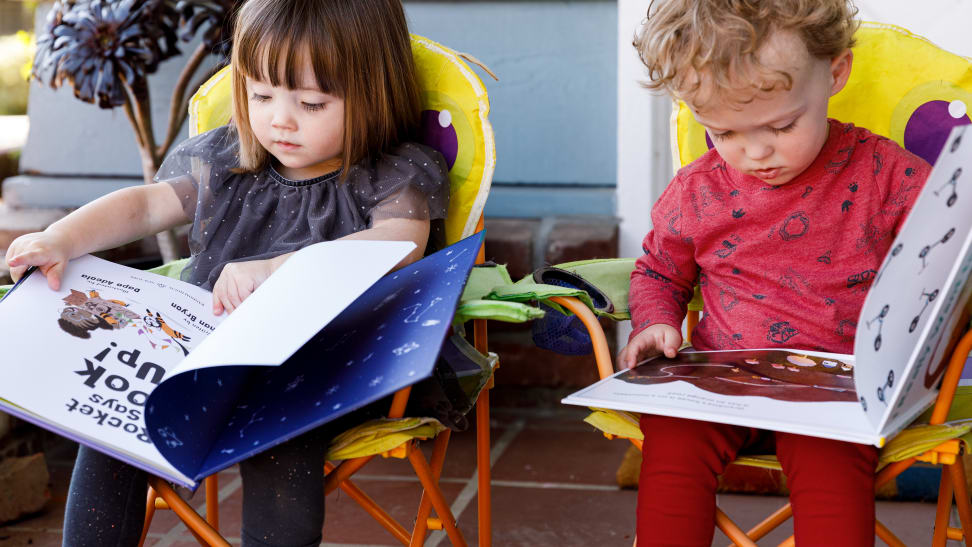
pixel 194 14
pixel 106 49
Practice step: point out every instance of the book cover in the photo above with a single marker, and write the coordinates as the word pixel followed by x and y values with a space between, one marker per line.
pixel 135 364
pixel 912 308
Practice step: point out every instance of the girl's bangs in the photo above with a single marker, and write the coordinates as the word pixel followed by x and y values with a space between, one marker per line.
pixel 274 55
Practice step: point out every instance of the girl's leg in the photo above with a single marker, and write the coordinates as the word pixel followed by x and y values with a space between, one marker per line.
pixel 831 489
pixel 105 502
pixel 283 493
pixel 679 474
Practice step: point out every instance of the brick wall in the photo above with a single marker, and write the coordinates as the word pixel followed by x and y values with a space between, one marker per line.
pixel 525 245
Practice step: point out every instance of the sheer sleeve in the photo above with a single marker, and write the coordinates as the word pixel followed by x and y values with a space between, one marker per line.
pixel 198 165
pixel 411 181
pixel 409 202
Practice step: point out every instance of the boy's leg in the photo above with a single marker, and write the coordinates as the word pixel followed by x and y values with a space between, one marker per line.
pixel 105 502
pixel 831 489
pixel 682 460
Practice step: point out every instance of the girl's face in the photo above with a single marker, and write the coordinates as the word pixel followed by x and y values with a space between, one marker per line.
pixel 302 128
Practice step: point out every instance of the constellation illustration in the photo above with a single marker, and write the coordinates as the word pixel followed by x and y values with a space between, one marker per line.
pixel 253 419
pixel 929 297
pixel 927 248
pixel 887 385
pixel 953 183
pixel 169 437
pixel 415 314
pixel 880 321
pixel 894 252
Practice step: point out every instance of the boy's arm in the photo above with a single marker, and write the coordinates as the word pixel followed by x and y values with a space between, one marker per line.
pixel 663 279
pixel 904 176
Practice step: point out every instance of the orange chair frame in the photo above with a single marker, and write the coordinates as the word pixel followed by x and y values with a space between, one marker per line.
pixel 206 530
pixel 952 488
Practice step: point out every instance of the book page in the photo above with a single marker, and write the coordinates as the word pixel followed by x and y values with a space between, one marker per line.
pixel 899 341
pixel 387 339
pixel 306 292
pixel 799 392
pixel 86 357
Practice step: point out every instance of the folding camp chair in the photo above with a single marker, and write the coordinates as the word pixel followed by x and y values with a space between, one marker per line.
pixel 454 121
pixel 901 86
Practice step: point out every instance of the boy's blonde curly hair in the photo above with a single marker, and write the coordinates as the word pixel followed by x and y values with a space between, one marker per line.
pixel 683 41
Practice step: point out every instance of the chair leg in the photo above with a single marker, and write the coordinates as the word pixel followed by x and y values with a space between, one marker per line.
pixel 957 474
pixel 149 514
pixel 887 536
pixel 387 521
pixel 771 522
pixel 440 445
pixel 483 469
pixel 212 501
pixel 336 474
pixel 734 532
pixel 435 494
pixel 939 536
pixel 196 524
pixel 483 464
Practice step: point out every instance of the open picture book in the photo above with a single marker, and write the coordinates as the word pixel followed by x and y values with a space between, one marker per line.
pixel 135 365
pixel 903 331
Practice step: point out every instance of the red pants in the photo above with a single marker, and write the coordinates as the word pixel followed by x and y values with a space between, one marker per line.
pixel 831 483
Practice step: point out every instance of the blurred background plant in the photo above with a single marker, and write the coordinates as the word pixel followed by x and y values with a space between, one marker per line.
pixel 16 55
pixel 107 49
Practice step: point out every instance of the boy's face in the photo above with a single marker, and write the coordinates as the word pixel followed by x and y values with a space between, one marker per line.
pixel 778 134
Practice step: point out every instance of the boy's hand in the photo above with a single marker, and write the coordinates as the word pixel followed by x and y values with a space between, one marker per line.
pixel 49 251
pixel 657 338
pixel 237 281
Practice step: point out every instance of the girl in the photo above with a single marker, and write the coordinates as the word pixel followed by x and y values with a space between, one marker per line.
pixel 325 99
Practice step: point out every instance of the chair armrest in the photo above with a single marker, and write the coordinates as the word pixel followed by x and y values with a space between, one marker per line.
pixel 602 354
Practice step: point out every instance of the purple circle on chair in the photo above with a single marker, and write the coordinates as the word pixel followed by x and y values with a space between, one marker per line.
pixel 928 128
pixel 438 132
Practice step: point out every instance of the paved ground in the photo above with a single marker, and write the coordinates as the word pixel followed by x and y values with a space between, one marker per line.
pixel 553 484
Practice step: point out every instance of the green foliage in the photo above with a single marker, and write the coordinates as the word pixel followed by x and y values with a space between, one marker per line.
pixel 16 54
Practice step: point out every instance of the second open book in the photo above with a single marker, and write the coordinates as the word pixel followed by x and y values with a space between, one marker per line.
pixel 903 331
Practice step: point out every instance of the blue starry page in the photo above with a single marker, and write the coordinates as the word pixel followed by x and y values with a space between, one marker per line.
pixel 387 339
pixel 903 333
pixel 87 360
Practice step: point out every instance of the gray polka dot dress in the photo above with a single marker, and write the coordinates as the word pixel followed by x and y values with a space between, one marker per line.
pixel 255 216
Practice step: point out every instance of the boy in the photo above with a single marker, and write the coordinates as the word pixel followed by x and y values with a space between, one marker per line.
pixel 779 225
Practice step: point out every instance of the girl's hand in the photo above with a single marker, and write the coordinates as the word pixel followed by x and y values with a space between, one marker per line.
pixel 657 338
pixel 48 250
pixel 238 280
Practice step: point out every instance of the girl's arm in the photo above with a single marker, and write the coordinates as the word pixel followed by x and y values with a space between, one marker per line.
pixel 109 221
pixel 239 279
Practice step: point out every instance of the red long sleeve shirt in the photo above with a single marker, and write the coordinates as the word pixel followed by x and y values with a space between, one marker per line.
pixel 784 266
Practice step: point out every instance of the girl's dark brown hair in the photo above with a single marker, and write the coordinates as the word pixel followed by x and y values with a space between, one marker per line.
pixel 359 50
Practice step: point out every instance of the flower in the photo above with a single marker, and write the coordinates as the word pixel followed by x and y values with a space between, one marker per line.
pixel 195 13
pixel 94 44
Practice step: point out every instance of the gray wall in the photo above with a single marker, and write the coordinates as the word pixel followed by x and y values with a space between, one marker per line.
pixel 553 110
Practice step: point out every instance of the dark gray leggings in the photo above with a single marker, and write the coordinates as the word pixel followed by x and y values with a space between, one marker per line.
pixel 283 497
